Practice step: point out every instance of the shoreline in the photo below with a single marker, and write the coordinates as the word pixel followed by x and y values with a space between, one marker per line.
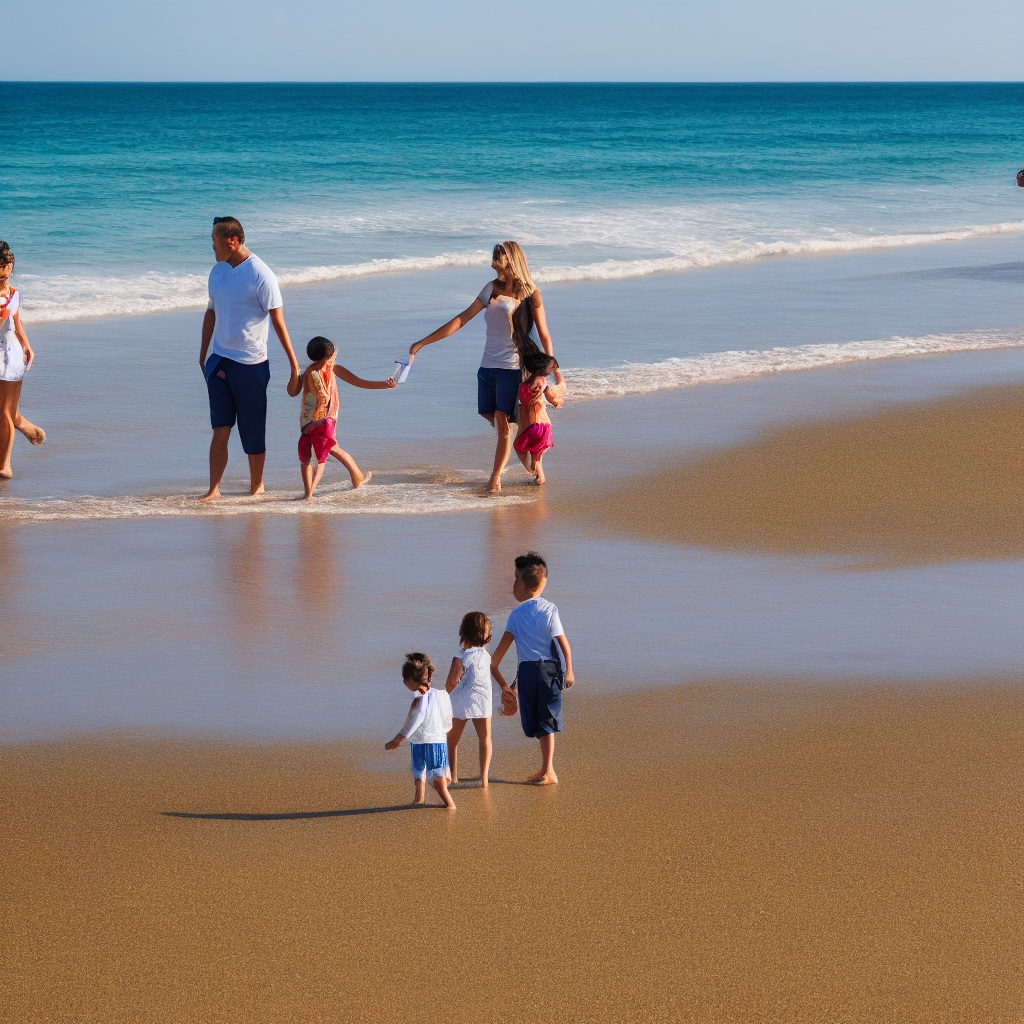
pixel 806 852
pixel 918 483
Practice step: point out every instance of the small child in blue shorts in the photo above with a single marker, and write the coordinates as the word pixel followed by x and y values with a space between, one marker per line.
pixel 543 649
pixel 426 728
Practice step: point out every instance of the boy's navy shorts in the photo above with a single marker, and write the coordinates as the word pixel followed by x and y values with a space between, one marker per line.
pixel 539 686
pixel 497 390
pixel 238 391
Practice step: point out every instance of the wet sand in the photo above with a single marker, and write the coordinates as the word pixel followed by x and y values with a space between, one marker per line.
pixel 714 853
pixel 922 483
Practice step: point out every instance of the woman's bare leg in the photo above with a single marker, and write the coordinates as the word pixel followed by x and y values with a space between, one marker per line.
pixel 36 435
pixel 502 452
pixel 454 735
pixel 483 733
pixel 358 476
pixel 9 393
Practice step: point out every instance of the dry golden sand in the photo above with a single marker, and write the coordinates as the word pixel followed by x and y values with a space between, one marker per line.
pixel 717 853
pixel 919 483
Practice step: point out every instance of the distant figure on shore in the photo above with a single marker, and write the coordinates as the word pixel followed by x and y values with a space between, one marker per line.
pixel 318 418
pixel 542 648
pixel 16 358
pixel 1020 178
pixel 511 305
pixel 244 295
pixel 535 395
pixel 426 729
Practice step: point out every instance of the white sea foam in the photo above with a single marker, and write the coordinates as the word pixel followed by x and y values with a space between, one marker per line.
pixel 689 244
pixel 389 496
pixel 723 367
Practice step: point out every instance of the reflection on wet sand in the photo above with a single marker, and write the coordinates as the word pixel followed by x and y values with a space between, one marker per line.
pixel 512 530
pixel 318 573
pixel 243 583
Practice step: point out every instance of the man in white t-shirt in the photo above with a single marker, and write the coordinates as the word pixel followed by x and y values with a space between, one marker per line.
pixel 244 298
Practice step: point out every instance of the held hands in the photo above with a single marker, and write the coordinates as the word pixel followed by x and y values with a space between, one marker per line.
pixel 390 382
pixel 294 382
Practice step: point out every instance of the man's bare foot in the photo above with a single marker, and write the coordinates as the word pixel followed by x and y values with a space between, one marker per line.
pixel 364 479
pixel 550 779
pixel 6 473
pixel 36 435
pixel 258 489
pixel 211 495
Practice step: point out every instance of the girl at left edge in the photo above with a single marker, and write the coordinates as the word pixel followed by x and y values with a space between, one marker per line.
pixel 16 358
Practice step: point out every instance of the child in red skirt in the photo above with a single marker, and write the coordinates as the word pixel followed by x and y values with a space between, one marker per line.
pixel 318 417
pixel 535 395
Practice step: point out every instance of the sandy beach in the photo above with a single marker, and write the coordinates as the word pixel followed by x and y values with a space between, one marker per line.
pixel 922 483
pixel 714 853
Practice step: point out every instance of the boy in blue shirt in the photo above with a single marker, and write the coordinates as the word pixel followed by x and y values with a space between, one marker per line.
pixel 543 649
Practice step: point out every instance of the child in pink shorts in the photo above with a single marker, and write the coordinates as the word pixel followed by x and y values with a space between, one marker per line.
pixel 535 395
pixel 318 417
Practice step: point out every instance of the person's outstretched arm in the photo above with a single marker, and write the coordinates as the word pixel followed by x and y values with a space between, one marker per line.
pixel 499 652
pixel 541 320
pixel 563 644
pixel 359 382
pixel 448 329
pixel 281 330
pixel 417 712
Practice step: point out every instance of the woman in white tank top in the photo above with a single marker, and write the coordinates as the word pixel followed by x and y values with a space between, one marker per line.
pixel 502 303
pixel 16 357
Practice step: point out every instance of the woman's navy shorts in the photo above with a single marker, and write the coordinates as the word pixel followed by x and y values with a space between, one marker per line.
pixel 539 686
pixel 238 391
pixel 496 390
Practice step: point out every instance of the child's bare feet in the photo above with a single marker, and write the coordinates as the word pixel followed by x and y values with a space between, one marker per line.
pixel 548 779
pixel 535 776
pixel 364 479
pixel 494 485
pixel 541 479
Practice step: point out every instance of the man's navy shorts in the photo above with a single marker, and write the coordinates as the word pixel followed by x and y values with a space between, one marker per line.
pixel 496 390
pixel 238 391
pixel 539 686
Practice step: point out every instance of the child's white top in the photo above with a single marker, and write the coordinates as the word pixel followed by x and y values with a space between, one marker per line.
pixel 472 697
pixel 429 718
pixel 534 624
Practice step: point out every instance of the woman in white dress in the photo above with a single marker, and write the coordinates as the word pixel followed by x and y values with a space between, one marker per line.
pixel 16 357
pixel 469 684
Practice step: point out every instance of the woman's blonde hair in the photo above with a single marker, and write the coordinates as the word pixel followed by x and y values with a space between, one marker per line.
pixel 515 260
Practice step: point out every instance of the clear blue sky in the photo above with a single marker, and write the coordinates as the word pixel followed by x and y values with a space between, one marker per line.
pixel 554 40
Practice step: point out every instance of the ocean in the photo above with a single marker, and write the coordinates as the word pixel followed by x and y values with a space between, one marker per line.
pixel 713 258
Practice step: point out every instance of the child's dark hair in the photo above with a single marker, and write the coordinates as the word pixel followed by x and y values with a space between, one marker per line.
pixel 320 348
pixel 475 630
pixel 531 569
pixel 418 668
pixel 6 256
pixel 539 364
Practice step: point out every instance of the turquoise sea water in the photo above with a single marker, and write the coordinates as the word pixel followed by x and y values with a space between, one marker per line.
pixel 107 191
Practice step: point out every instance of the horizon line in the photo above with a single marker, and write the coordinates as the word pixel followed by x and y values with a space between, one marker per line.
pixel 524 82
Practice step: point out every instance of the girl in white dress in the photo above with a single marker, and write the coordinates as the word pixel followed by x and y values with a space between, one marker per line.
pixel 469 684
pixel 16 357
